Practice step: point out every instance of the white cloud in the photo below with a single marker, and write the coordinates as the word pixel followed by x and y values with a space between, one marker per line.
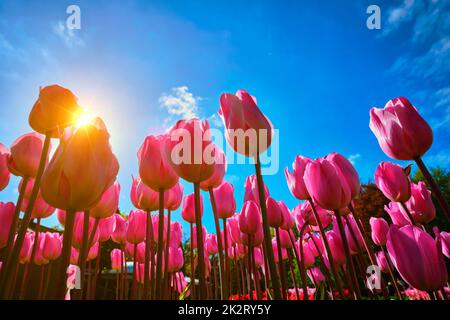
pixel 354 157
pixel 179 104
pixel 69 36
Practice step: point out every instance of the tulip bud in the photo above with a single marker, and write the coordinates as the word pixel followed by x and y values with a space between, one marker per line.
pixel 119 234
pixel 25 155
pixel 137 222
pixel 220 167
pixel 225 202
pixel 4 171
pixel 420 204
pixel 173 197
pixel 251 189
pixel 6 219
pixel 380 229
pixel 250 218
pixel 143 197
pixel 108 203
pixel 295 180
pixel 188 208
pixel 55 109
pixel 116 259
pixel 401 132
pixel 274 214
pixel 81 170
pixel 106 227
pixel 392 180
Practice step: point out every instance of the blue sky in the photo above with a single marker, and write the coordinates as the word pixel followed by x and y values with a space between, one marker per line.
pixel 314 67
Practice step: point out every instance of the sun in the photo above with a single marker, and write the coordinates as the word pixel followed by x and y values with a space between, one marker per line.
pixel 84 119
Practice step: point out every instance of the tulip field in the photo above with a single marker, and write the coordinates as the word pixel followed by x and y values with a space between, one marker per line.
pixel 324 248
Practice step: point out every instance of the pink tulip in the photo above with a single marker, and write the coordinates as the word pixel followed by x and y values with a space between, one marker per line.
pixel 176 259
pixel 211 244
pixel 74 256
pixel 382 262
pixel 116 259
pixel 176 234
pixel 353 245
pixel 25 251
pixel 326 186
pixel 194 239
pixel 108 203
pixel 188 208
pixel 274 214
pixel 445 243
pixel 173 197
pixel 258 257
pixel 77 238
pixel 397 214
pixel 250 218
pixel 41 209
pixel 93 252
pixel 308 255
pixel 242 118
pixel 237 252
pixel 315 275
pixel 6 219
pixel 336 247
pixel 140 251
pixel 251 189
pixel 285 239
pixel 303 213
pixel 4 171
pixel 25 155
pixel 284 254
pixel 401 132
pixel 154 168
pixel 257 238
pixel 143 197
pixel 105 228
pixel 346 172
pixel 155 220
pixel 380 230
pixel 417 257
pixel 392 180
pixel 225 202
pixel 420 204
pixel 137 222
pixel 196 161
pixel 39 258
pixel 233 230
pixel 288 219
pixel 119 234
pixel 51 246
pixel 220 167
pixel 81 170
pixel 295 180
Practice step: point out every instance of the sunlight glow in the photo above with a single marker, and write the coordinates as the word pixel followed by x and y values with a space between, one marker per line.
pixel 84 119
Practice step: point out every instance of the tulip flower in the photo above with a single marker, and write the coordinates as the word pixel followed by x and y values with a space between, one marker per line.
pixel 250 218
pixel 55 109
pixel 194 239
pixel 247 129
pixel 143 197
pixel 81 170
pixel 136 226
pixel 173 197
pixel 380 229
pixel 251 189
pixel 25 155
pixel 392 180
pixel 397 214
pixel 288 219
pixel 315 275
pixel 211 244
pixel 4 171
pixel 93 252
pixel 325 185
pixel 41 208
pixel 417 257
pixel 256 239
pixel 285 239
pixel 6 220
pixel 25 251
pixel 51 246
pixel 176 260
pixel 337 247
pixel 274 213
pixel 445 236
pixel 295 180
pixel 188 208
pixel 176 234
pixel 108 203
pixel 308 255
pixel 225 201
pixel 420 204
pixel 346 172
pixel 116 259
pixel 233 229
pixel 283 255
pixel 39 258
pixel 401 132
pixel 382 262
pixel 119 234
pixel 105 228
pixel 78 229
pixel 220 167
pixel 354 235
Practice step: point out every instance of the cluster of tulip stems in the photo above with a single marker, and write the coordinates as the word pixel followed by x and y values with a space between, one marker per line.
pixel 317 250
